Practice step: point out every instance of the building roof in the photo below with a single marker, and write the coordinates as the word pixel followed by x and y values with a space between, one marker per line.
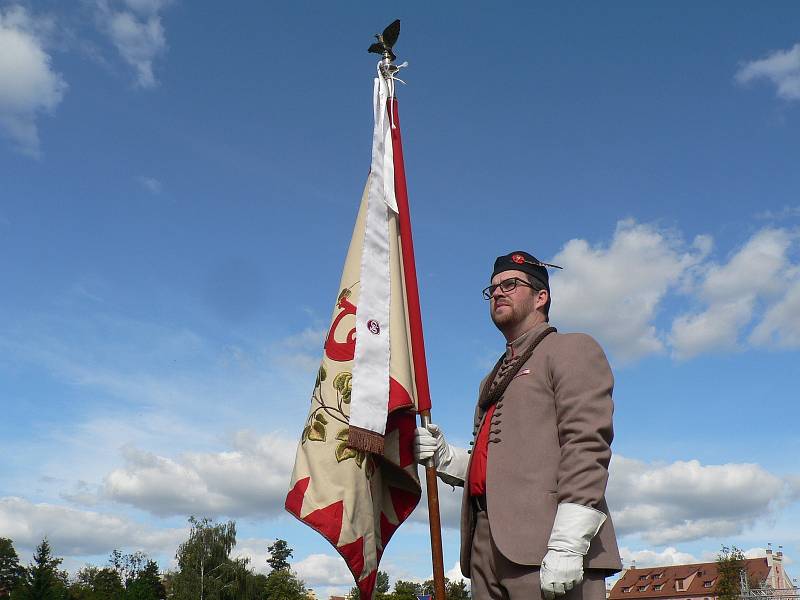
pixel 694 577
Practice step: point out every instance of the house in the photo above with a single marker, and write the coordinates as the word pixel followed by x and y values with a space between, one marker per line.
pixel 698 581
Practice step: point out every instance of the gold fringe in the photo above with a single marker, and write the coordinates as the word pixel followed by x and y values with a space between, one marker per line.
pixel 364 439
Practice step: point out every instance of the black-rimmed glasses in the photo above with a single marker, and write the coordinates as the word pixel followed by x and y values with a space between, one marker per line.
pixel 506 286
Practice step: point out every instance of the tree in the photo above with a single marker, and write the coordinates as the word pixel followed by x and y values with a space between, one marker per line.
pixel 146 585
pixel 282 584
pixel 457 590
pixel 42 579
pixel 279 552
pixel 730 561
pixel 128 566
pixel 93 583
pixel 381 588
pixel 406 590
pixel 201 558
pixel 10 571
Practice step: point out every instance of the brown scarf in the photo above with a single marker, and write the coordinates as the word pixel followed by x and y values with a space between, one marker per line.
pixel 491 394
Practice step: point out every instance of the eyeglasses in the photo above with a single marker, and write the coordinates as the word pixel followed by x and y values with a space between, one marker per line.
pixel 506 286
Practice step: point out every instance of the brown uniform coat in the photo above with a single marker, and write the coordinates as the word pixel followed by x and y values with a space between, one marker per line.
pixel 552 444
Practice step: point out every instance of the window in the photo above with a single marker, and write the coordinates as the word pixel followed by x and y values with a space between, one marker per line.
pixel 625 590
pixel 642 588
pixel 707 583
pixel 642 577
pixel 679 584
pixel 658 587
pixel 658 575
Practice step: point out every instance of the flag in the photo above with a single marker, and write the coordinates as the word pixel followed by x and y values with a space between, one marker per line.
pixel 355 479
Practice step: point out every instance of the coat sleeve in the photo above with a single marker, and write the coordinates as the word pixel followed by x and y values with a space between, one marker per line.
pixel 582 384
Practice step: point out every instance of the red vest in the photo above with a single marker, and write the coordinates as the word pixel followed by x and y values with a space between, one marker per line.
pixel 477 468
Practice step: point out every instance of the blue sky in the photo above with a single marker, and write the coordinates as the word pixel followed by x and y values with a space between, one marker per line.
pixel 179 184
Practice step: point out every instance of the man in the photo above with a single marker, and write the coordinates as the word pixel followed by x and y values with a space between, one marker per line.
pixel 534 513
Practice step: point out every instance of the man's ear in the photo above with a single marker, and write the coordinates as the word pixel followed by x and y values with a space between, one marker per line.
pixel 542 296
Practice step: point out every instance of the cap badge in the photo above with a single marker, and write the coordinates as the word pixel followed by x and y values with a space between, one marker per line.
pixel 518 258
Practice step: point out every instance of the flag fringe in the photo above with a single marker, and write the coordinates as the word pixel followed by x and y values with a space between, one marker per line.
pixel 364 439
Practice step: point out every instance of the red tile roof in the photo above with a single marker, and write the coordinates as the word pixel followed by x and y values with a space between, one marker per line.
pixel 703 572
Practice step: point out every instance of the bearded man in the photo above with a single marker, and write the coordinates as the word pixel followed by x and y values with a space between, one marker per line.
pixel 534 520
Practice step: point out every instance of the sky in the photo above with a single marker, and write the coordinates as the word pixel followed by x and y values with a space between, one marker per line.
pixel 178 186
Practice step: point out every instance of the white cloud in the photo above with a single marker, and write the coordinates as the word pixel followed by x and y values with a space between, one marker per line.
pixel 731 292
pixel 651 558
pixel 29 86
pixel 449 506
pixel 151 184
pixel 76 533
pixel 301 352
pixel 250 480
pixel 781 67
pixel 323 569
pixel 780 326
pixel 255 550
pixel 136 30
pixel 685 500
pixel 454 574
pixel 614 291
pixel 787 212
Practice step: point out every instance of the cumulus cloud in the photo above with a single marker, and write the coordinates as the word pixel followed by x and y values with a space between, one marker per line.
pixel 323 570
pixel 651 558
pixel 454 574
pixel 685 500
pixel 136 30
pixel 75 532
pixel 255 551
pixel 614 290
pixel 29 86
pixel 250 480
pixel 732 299
pixel 781 68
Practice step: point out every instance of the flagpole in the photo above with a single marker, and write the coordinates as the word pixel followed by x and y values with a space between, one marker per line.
pixel 417 346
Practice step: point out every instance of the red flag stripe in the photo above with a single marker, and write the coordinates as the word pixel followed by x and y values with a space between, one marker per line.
pixel 409 268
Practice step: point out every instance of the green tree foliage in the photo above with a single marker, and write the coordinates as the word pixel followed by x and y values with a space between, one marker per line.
pixel 206 570
pixel 42 579
pixel 282 584
pixel 202 560
pixel 458 590
pixel 730 561
pixel 10 570
pixel 279 553
pixel 93 583
pixel 405 590
pixel 147 584
pixel 381 588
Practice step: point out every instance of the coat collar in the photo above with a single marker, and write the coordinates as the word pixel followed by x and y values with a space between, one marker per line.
pixel 521 344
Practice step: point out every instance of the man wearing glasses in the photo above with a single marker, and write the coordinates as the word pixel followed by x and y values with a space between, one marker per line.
pixel 534 514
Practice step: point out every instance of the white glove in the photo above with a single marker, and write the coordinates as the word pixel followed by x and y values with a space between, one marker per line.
pixel 561 571
pixel 450 462
pixel 562 567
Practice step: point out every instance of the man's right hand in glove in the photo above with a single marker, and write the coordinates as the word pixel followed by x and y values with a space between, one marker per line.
pixel 450 462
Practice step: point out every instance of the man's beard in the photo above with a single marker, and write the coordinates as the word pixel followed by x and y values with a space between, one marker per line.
pixel 509 316
pixel 513 313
